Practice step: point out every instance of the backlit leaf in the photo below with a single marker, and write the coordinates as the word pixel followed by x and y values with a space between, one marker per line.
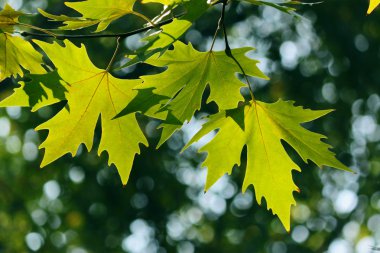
pixel 92 94
pixel 189 72
pixel 16 54
pixel 9 18
pixel 164 2
pixel 261 127
pixel 41 91
pixel 170 33
pixel 372 5
pixel 94 12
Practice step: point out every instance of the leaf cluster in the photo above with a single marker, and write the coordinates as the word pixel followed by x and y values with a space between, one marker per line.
pixel 173 96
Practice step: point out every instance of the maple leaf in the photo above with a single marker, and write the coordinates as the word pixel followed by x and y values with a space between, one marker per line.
pixel 15 54
pixel 100 12
pixel 14 51
pixel 261 127
pixel 92 94
pixel 147 103
pixel 164 2
pixel 173 31
pixel 170 33
pixel 189 72
pixel 40 91
pixel 280 5
pixel 372 5
pixel 9 18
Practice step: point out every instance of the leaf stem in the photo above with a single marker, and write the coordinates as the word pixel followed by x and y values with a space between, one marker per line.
pixel 145 18
pixel 46 32
pixel 229 52
pixel 220 22
pixel 114 54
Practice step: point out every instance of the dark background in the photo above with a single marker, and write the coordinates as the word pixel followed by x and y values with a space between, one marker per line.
pixel 328 59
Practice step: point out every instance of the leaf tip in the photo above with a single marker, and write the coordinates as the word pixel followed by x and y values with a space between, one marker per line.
pixel 159 144
pixel 44 163
pixel 186 147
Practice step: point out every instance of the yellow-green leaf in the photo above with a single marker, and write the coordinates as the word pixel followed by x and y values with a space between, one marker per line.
pixel 170 33
pixel 40 91
pixel 164 2
pixel 173 31
pixel 261 127
pixel 189 72
pixel 9 18
pixel 372 5
pixel 92 94
pixel 16 54
pixel 100 12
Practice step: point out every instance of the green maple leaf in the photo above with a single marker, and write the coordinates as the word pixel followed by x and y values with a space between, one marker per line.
pixel 147 103
pixel 170 33
pixel 173 31
pixel 9 18
pixel 261 127
pixel 15 54
pixel 95 12
pixel 189 72
pixel 41 91
pixel 280 5
pixel 92 94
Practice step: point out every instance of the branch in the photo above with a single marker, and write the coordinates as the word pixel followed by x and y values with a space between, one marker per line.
pixel 92 36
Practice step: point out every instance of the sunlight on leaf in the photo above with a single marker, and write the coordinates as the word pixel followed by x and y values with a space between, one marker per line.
pixel 261 127
pixel 170 33
pixel 17 54
pixel 164 2
pixel 372 5
pixel 40 91
pixel 95 12
pixel 189 72
pixel 92 94
pixel 9 18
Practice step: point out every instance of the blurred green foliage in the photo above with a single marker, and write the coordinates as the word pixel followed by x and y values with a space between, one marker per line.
pixel 329 59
